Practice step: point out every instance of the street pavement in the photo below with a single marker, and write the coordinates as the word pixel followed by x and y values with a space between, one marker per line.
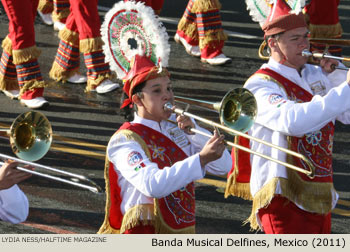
pixel 83 122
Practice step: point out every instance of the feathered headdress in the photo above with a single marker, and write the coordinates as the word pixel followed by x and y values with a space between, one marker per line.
pixel 260 10
pixel 135 44
pixel 129 29
pixel 275 16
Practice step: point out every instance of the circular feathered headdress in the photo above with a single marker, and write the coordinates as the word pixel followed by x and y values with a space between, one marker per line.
pixel 129 29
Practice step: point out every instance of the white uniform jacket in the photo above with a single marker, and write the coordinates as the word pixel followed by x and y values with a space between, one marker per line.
pixel 140 186
pixel 14 206
pixel 279 117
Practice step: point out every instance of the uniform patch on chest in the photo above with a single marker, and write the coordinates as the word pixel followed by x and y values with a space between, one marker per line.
pixel 318 88
pixel 178 136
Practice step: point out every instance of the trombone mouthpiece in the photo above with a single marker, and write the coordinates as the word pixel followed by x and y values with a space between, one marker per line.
pixel 168 106
pixel 306 53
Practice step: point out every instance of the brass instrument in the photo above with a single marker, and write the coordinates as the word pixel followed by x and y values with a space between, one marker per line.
pixel 330 41
pixel 340 42
pixel 239 109
pixel 307 53
pixel 261 51
pixel 30 139
pixel 318 55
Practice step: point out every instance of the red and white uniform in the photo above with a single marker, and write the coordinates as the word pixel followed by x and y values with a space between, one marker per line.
pixel 14 206
pixel 279 117
pixel 141 186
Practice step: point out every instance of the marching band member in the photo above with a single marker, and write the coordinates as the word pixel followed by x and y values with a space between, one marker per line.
pixel 20 75
pixel 14 206
pixel 82 34
pixel 151 163
pixel 297 109
pixel 323 22
pixel 54 12
pixel 200 31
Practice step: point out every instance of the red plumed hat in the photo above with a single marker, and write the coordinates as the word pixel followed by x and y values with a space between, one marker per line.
pixel 282 19
pixel 142 69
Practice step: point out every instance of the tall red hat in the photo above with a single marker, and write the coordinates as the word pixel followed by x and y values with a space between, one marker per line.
pixel 281 19
pixel 142 69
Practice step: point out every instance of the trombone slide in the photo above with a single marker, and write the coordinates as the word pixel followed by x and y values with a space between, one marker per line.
pixel 94 187
pixel 310 173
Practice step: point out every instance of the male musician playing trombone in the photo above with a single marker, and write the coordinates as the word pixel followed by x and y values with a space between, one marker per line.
pixel 297 109
pixel 151 163
pixel 14 206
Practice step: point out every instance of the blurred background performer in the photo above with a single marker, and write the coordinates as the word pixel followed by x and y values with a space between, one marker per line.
pixel 297 108
pixel 323 22
pixel 151 163
pixel 54 12
pixel 20 75
pixel 200 31
pixel 82 34
pixel 14 206
pixel 156 5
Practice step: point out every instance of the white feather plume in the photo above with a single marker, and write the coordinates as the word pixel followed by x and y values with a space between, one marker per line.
pixel 152 27
pixel 259 10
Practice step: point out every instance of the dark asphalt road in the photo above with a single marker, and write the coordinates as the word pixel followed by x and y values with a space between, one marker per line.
pixel 83 123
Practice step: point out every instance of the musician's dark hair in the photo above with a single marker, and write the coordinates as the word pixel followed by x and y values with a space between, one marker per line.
pixel 128 111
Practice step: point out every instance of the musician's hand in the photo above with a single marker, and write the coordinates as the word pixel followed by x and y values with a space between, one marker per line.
pixel 328 64
pixel 348 77
pixel 213 149
pixel 185 123
pixel 10 176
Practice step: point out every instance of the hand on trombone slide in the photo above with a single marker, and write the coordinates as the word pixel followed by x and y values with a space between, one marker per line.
pixel 10 176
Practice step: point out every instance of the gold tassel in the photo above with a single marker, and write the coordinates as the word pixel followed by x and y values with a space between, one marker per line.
pixel 205 5
pixel 314 197
pixel 91 45
pixel 137 215
pixel 211 36
pixel 7 45
pixel 45 6
pixel 69 37
pixel 93 83
pixel 31 85
pixel 57 73
pixel 190 29
pixel 260 200
pixel 241 190
pixel 24 55
pixel 106 227
pixel 8 84
pixel 325 31
pixel 61 15
pixel 234 188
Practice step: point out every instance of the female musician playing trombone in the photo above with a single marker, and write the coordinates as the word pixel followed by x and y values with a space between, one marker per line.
pixel 152 163
pixel 14 204
pixel 297 109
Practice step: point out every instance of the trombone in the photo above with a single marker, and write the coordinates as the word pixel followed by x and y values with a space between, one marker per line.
pixel 238 110
pixel 30 139
pixel 318 55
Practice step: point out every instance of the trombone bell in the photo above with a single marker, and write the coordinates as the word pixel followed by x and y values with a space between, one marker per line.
pixel 30 136
pixel 237 109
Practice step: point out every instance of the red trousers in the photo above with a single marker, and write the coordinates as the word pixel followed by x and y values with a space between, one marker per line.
pixel 84 18
pixel 282 216
pixel 140 230
pixel 155 4
pixel 21 15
